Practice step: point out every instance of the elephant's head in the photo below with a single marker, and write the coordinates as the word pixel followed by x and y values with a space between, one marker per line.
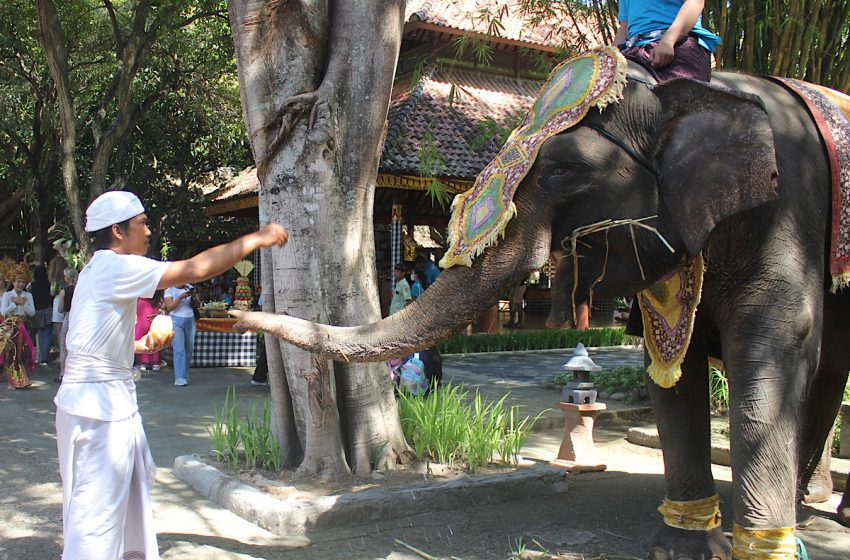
pixel 683 153
pixel 678 157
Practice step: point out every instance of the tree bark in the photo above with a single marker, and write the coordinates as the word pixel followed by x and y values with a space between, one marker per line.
pixel 111 122
pixel 315 82
pixel 53 41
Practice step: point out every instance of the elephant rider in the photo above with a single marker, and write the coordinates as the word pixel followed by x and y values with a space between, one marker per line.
pixel 667 37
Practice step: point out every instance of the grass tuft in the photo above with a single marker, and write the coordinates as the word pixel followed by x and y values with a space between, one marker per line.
pixel 450 428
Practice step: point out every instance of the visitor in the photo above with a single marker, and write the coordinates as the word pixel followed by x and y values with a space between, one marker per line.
pixel 57 315
pixel 57 265
pixel 146 310
pixel 667 38
pixel 430 270
pixel 107 511
pixel 66 297
pixel 401 292
pixel 17 356
pixel 228 296
pixel 416 285
pixel 517 306
pixel 261 369
pixel 178 303
pixel 41 323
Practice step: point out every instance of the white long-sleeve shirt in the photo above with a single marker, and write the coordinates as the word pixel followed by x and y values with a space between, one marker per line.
pixel 7 307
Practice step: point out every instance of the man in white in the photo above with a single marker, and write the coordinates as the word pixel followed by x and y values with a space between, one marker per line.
pixel 104 460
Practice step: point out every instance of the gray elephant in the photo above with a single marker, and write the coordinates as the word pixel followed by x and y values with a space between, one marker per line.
pixel 734 170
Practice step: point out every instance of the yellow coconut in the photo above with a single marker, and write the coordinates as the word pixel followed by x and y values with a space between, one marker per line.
pixel 161 328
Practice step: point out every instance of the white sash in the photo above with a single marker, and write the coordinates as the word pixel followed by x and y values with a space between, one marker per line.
pixel 82 368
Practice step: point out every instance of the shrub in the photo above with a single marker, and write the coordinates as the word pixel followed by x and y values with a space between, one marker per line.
pixel 718 390
pixel 531 340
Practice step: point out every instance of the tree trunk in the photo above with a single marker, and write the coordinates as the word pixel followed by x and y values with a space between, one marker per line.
pixel 53 41
pixel 315 85
pixel 112 120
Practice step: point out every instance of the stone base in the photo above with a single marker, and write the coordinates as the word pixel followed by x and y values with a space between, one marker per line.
pixel 578 452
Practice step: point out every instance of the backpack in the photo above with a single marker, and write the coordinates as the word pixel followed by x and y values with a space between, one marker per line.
pixel 412 376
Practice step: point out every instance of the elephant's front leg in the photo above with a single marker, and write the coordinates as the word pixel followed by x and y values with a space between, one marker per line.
pixel 690 510
pixel 768 362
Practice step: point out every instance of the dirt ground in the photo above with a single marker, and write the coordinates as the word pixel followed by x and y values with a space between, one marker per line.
pixel 611 513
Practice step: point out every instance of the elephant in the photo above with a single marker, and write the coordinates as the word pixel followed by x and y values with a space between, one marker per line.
pixel 734 170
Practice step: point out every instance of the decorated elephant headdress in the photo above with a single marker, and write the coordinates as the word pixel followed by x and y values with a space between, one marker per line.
pixel 480 215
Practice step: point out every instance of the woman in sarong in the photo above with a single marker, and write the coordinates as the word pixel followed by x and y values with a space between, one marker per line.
pixel 146 310
pixel 18 351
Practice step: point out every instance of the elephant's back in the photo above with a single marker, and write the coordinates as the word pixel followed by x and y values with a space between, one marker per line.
pixel 791 122
pixel 804 176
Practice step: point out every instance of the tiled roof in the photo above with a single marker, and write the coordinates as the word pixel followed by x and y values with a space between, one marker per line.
pixel 475 15
pixel 243 183
pixel 426 115
pixel 453 127
pixel 425 111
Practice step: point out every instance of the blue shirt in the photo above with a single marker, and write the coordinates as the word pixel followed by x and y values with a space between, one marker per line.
pixel 416 289
pixel 645 16
pixel 431 271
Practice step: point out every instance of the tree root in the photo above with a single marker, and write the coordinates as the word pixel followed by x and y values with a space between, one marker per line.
pixel 291 111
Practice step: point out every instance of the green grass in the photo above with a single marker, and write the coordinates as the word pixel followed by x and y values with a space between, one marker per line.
pixel 718 390
pixel 450 428
pixel 531 340
pixel 243 437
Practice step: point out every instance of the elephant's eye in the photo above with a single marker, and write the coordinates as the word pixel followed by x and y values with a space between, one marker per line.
pixel 559 172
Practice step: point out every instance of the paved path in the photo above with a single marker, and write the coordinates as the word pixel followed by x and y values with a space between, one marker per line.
pixel 523 375
pixel 611 512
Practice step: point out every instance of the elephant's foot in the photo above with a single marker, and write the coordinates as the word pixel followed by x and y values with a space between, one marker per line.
pixel 817 493
pixel 819 487
pixel 671 543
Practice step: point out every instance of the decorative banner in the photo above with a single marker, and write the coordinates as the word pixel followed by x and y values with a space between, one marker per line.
pixel 668 308
pixel 480 215
pixel 396 241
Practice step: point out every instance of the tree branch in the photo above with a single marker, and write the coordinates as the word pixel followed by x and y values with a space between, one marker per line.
pixel 116 28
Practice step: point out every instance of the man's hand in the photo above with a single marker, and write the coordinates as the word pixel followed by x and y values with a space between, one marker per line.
pixel 147 345
pixel 663 52
pixel 271 235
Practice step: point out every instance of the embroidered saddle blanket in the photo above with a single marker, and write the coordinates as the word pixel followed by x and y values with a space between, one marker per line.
pixel 830 110
pixel 480 215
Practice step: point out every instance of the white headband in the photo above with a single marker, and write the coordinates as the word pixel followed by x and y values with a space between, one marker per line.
pixel 112 207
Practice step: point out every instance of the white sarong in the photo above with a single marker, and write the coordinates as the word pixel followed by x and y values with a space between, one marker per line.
pixel 106 470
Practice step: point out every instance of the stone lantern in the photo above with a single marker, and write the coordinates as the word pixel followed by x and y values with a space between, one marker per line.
pixel 580 390
pixel 578 452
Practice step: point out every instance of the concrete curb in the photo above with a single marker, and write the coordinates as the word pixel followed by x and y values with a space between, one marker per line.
pixel 648 437
pixel 297 517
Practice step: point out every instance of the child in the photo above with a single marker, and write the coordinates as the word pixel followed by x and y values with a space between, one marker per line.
pixel 667 37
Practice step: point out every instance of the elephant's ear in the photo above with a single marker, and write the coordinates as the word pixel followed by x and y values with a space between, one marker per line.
pixel 715 156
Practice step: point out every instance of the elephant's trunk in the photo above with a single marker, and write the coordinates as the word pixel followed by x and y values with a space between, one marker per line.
pixel 459 295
